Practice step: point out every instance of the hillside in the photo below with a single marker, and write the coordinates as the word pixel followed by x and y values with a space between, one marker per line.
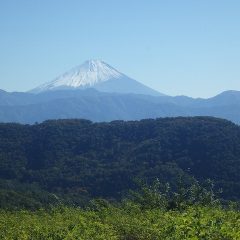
pixel 99 106
pixel 78 159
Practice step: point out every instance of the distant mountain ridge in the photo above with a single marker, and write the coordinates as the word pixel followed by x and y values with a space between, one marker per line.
pixel 101 106
pixel 98 75
pixel 98 92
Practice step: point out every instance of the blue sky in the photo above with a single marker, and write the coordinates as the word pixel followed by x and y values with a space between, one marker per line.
pixel 188 47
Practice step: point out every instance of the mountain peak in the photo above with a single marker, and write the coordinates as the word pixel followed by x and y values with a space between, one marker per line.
pixel 98 71
pixel 95 65
pixel 94 62
pixel 86 75
pixel 99 75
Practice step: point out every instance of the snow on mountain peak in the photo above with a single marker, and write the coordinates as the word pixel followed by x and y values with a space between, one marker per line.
pixel 88 74
pixel 98 75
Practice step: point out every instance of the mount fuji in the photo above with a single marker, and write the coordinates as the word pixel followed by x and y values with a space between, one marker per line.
pixel 98 75
pixel 98 92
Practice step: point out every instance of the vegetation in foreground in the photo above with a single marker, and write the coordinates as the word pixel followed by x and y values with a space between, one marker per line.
pixel 191 213
pixel 128 222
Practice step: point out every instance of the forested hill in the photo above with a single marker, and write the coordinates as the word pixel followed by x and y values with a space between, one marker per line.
pixel 77 159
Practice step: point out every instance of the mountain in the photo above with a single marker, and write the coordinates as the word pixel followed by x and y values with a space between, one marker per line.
pixel 101 106
pixel 98 75
pixel 98 92
pixel 226 98
pixel 95 107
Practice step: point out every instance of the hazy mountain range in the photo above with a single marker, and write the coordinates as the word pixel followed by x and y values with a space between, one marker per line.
pixel 97 91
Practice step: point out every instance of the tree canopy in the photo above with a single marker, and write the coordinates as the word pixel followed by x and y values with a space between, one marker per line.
pixel 75 160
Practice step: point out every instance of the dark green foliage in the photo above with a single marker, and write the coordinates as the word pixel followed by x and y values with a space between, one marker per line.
pixel 72 161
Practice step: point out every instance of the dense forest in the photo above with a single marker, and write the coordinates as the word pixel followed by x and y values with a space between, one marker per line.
pixel 73 161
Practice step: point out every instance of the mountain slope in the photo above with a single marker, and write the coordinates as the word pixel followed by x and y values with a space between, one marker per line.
pixel 95 107
pixel 99 75
pixel 100 106
pixel 78 157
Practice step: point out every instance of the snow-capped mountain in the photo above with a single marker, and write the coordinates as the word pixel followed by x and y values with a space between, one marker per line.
pixel 99 75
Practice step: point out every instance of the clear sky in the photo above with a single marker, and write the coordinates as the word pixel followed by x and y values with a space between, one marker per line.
pixel 189 47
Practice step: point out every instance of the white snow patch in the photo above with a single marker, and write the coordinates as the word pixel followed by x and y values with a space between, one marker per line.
pixel 86 75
